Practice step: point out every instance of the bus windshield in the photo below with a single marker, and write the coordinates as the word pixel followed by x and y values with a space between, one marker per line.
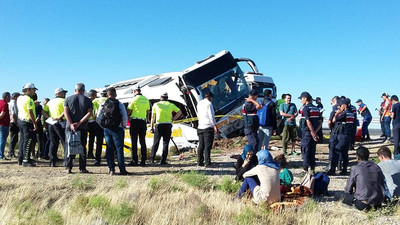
pixel 227 88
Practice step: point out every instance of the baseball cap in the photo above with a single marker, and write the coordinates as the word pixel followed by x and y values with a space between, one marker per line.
pixel 253 92
pixel 359 100
pixel 59 89
pixel 385 94
pixel 29 86
pixel 165 95
pixel 305 94
pixel 136 87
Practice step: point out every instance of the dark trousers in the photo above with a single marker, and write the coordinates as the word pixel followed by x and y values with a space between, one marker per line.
pixel 206 140
pixel 396 138
pixel 341 151
pixel 382 126
pixel 366 121
pixel 308 148
pixel 138 128
pixel 332 143
pixel 27 141
pixel 386 125
pixel 82 157
pixel 57 134
pixel 40 140
pixel 14 130
pixel 162 130
pixel 95 131
pixel 46 151
pixel 252 137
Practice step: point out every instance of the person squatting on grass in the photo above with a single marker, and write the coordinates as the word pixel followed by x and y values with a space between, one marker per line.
pixel 366 182
pixel 262 180
pixel 245 162
pixel 391 170
pixel 285 175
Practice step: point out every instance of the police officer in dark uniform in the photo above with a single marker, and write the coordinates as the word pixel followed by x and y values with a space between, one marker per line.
pixel 332 127
pixel 344 118
pixel 310 124
pixel 355 124
pixel 251 122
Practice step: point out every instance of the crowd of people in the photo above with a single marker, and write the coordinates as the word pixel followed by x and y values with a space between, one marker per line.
pixel 369 184
pixel 96 117
pixel 81 119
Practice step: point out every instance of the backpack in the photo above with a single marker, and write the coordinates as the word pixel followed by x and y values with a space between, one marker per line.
pixel 111 117
pixel 262 113
pixel 321 183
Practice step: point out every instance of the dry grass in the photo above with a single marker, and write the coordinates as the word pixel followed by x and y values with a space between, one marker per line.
pixel 177 194
pixel 162 199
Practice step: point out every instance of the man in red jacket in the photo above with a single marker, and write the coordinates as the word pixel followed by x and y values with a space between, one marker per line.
pixel 4 123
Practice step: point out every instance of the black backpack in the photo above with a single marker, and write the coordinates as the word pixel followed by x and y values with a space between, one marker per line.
pixel 111 117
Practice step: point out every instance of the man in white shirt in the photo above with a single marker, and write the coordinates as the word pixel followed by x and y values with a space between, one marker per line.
pixel 206 129
pixel 14 130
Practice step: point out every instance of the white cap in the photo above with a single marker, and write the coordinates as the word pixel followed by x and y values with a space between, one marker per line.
pixel 165 95
pixel 29 86
pixel 60 89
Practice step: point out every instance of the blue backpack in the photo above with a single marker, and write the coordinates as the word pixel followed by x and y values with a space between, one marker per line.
pixel 262 113
pixel 321 183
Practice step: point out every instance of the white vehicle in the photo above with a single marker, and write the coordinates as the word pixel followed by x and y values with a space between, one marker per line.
pixel 219 74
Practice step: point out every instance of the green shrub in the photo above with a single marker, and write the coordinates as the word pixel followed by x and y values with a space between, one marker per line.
pixel 119 214
pixel 196 179
pixel 83 184
pixel 247 216
pixel 99 202
pixel 54 217
pixel 228 185
pixel 121 183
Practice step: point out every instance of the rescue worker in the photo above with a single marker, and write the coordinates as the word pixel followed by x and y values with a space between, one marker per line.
pixel 162 117
pixel 138 111
pixel 27 124
pixel 54 109
pixel 95 130
pixel 251 121
pixel 344 119
pixel 310 124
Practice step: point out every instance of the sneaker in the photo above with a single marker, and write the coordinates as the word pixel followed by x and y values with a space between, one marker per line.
pixel 294 152
pixel 69 171
pixel 97 163
pixel 28 164
pixel 200 164
pixel 163 163
pixel 286 154
pixel 84 171
pixel 53 164
pixel 331 173
pixel 112 173
pixel 343 173
pixel 142 163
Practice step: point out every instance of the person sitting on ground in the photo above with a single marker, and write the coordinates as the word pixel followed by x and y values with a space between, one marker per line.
pixel 366 181
pixel 391 170
pixel 245 162
pixel 285 176
pixel 267 172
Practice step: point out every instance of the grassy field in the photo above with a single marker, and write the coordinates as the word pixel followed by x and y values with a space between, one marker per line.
pixel 180 193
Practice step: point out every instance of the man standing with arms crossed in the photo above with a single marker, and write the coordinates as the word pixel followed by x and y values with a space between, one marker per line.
pixel 77 110
pixel 206 129
pixel 27 124
pixel 289 111
pixel 138 111
pixel 55 109
pixel 162 117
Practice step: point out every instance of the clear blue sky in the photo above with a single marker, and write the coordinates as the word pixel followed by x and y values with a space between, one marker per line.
pixel 328 48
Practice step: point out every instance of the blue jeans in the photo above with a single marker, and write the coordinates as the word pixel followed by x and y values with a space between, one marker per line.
pixel 264 135
pixel 115 140
pixel 386 125
pixel 3 139
pixel 248 183
pixel 365 124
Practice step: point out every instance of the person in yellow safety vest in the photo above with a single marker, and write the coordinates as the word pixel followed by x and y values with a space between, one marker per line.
pixel 53 112
pixel 138 111
pixel 162 117
pixel 95 131
pixel 27 125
